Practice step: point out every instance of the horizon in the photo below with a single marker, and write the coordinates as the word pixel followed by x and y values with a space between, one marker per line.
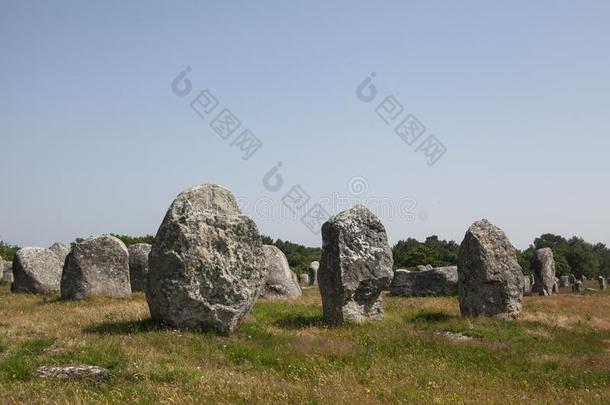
pixel 113 109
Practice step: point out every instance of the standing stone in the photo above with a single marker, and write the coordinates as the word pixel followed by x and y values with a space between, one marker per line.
pixel 356 265
pixel 281 281
pixel 96 266
pixel 313 273
pixel 7 273
pixel 578 287
pixel 583 278
pixel 138 266
pixel 603 283
pixel 61 250
pixel 543 267
pixel 490 278
pixel 527 284
pixel 207 265
pixel 36 270
pixel 304 279
pixel 556 286
pixel 564 281
pixel 439 281
pixel 571 278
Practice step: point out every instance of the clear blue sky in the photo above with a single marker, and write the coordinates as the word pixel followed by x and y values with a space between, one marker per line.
pixel 94 141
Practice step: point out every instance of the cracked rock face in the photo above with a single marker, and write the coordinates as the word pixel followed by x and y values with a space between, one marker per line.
pixel 490 280
pixel 356 265
pixel 36 270
pixel 281 281
pixel 543 267
pixel 138 266
pixel 439 281
pixel 207 265
pixel 61 250
pixel 96 266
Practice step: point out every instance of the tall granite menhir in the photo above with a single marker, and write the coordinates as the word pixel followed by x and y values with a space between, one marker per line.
pixel 207 265
pixel 490 280
pixel 356 265
pixel 543 267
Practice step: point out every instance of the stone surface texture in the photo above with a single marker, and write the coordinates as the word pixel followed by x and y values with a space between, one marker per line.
pixel 490 279
pixel 207 265
pixel 36 270
pixel 356 266
pixel 96 266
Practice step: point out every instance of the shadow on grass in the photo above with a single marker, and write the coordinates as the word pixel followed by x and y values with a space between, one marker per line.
pixel 300 322
pixel 125 327
pixel 431 317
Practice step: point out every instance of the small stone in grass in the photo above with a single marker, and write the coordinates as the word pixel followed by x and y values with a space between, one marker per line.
pixel 80 371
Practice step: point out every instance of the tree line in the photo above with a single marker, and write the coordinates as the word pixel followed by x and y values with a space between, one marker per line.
pixel 572 256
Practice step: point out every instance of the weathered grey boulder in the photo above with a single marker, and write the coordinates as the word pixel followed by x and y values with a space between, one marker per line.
pixel 96 266
pixel 439 281
pixel 7 273
pixel 36 270
pixel 356 265
pixel 583 278
pixel 422 267
pixel 578 287
pixel 281 281
pixel 138 266
pixel 564 281
pixel 303 279
pixel 571 278
pixel 206 266
pixel 313 273
pixel 543 267
pixel 603 283
pixel 490 278
pixel 61 250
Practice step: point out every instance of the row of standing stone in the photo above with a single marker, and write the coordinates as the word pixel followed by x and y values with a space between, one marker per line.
pixel 97 266
pixel 207 266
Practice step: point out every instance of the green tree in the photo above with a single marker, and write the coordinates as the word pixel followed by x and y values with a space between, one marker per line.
pixel 7 252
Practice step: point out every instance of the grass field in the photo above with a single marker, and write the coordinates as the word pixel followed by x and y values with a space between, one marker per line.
pixel 557 352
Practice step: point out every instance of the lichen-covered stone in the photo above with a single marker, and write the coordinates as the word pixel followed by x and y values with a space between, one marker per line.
pixel 281 281
pixel 438 281
pixel 138 266
pixel 61 250
pixel 36 270
pixel 356 265
pixel 206 266
pixel 490 278
pixel 7 273
pixel 543 267
pixel 313 273
pixel 96 266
